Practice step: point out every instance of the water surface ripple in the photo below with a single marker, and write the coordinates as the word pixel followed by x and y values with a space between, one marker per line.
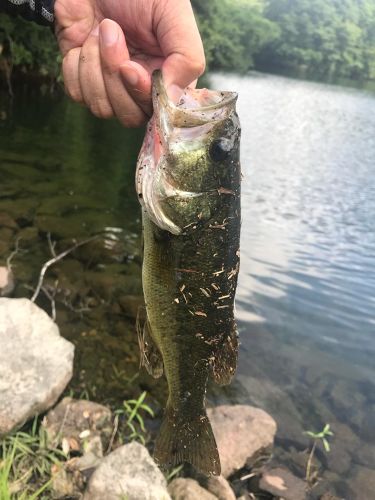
pixel 306 298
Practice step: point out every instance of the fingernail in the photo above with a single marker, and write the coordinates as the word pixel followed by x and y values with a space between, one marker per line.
pixel 174 93
pixel 108 33
pixel 129 75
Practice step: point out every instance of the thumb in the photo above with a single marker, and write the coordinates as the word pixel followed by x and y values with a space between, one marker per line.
pixel 181 44
pixel 181 71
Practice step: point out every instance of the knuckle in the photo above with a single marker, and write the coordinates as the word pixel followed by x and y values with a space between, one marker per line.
pixel 71 81
pixel 101 108
pixel 200 66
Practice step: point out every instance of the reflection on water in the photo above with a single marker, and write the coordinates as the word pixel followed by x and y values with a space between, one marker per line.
pixel 306 298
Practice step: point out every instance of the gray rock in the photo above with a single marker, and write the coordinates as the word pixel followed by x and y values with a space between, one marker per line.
pixel 36 363
pixel 6 281
pixel 363 483
pixel 128 472
pixel 219 486
pixel 242 433
pixel 188 489
pixel 70 478
pixel 282 483
pixel 78 423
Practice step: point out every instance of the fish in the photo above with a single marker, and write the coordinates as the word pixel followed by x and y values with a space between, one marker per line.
pixel 188 180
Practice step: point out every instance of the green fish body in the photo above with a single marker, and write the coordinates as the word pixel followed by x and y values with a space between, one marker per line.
pixel 188 181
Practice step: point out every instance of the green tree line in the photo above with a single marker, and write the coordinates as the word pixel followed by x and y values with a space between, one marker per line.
pixel 329 38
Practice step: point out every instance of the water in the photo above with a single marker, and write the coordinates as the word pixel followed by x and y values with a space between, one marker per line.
pixel 305 304
pixel 306 298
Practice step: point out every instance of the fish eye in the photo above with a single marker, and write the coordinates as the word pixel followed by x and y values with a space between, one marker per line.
pixel 220 149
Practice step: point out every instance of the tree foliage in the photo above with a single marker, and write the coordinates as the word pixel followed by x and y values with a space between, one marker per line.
pixel 325 37
pixel 28 48
pixel 331 37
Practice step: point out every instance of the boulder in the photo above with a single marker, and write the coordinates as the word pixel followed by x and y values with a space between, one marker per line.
pixel 188 489
pixel 76 423
pixel 282 483
pixel 362 482
pixel 36 363
pixel 128 472
pixel 6 281
pixel 218 486
pixel 242 433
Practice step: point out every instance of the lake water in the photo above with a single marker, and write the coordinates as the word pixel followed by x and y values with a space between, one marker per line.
pixel 306 297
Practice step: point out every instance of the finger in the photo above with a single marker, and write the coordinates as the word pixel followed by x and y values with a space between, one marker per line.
pixel 91 78
pixel 70 71
pixel 114 53
pixel 137 81
pixel 180 41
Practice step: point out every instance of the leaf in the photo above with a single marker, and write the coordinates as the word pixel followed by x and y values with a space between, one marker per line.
pixel 326 445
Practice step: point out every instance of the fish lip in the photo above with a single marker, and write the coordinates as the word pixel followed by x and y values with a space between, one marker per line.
pixel 171 115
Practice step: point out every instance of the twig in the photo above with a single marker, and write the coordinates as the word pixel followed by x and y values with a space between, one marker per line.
pixel 52 300
pixel 13 254
pixel 51 245
pixel 53 261
pixel 55 442
pixel 115 429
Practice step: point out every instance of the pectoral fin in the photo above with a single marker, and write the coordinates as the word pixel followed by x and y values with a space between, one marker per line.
pixel 225 362
pixel 150 356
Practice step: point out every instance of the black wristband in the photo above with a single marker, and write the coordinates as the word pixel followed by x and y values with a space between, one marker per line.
pixel 40 11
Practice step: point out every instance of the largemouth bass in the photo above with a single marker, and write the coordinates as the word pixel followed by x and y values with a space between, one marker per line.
pixel 188 182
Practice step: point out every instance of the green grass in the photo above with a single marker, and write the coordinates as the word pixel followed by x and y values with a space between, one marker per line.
pixel 132 415
pixel 25 464
pixel 26 460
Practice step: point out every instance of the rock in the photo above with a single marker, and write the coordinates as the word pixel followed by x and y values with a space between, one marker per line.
pixel 128 472
pixel 63 484
pixel 363 483
pixel 69 479
pixel 132 305
pixel 78 423
pixel 282 483
pixel 7 221
pixel 242 432
pixel 330 496
pixel 217 485
pixel 36 363
pixel 6 281
pixel 365 455
pixel 188 489
pixel 366 429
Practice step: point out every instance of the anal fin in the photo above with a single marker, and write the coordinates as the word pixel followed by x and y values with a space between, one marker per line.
pixel 150 356
pixel 224 364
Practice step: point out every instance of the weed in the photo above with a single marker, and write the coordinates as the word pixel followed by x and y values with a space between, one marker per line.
pixel 132 413
pixel 25 464
pixel 317 436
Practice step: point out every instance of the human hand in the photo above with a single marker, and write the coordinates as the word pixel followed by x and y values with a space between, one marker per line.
pixel 111 47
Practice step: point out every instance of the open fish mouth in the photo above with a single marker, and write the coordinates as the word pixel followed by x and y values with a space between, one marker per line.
pixel 191 120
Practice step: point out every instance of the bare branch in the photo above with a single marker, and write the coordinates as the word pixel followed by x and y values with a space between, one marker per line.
pixel 51 298
pixel 51 245
pixel 13 254
pixel 50 262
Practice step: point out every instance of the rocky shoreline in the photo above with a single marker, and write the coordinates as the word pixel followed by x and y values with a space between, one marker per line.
pixel 36 364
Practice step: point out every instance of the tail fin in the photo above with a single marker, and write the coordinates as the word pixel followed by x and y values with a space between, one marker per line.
pixel 189 440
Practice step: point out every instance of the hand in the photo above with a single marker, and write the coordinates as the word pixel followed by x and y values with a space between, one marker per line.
pixel 111 47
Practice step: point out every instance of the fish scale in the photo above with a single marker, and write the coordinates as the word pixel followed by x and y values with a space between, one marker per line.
pixel 191 225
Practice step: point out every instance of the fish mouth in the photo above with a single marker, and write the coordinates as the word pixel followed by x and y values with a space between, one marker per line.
pixel 195 107
pixel 193 116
